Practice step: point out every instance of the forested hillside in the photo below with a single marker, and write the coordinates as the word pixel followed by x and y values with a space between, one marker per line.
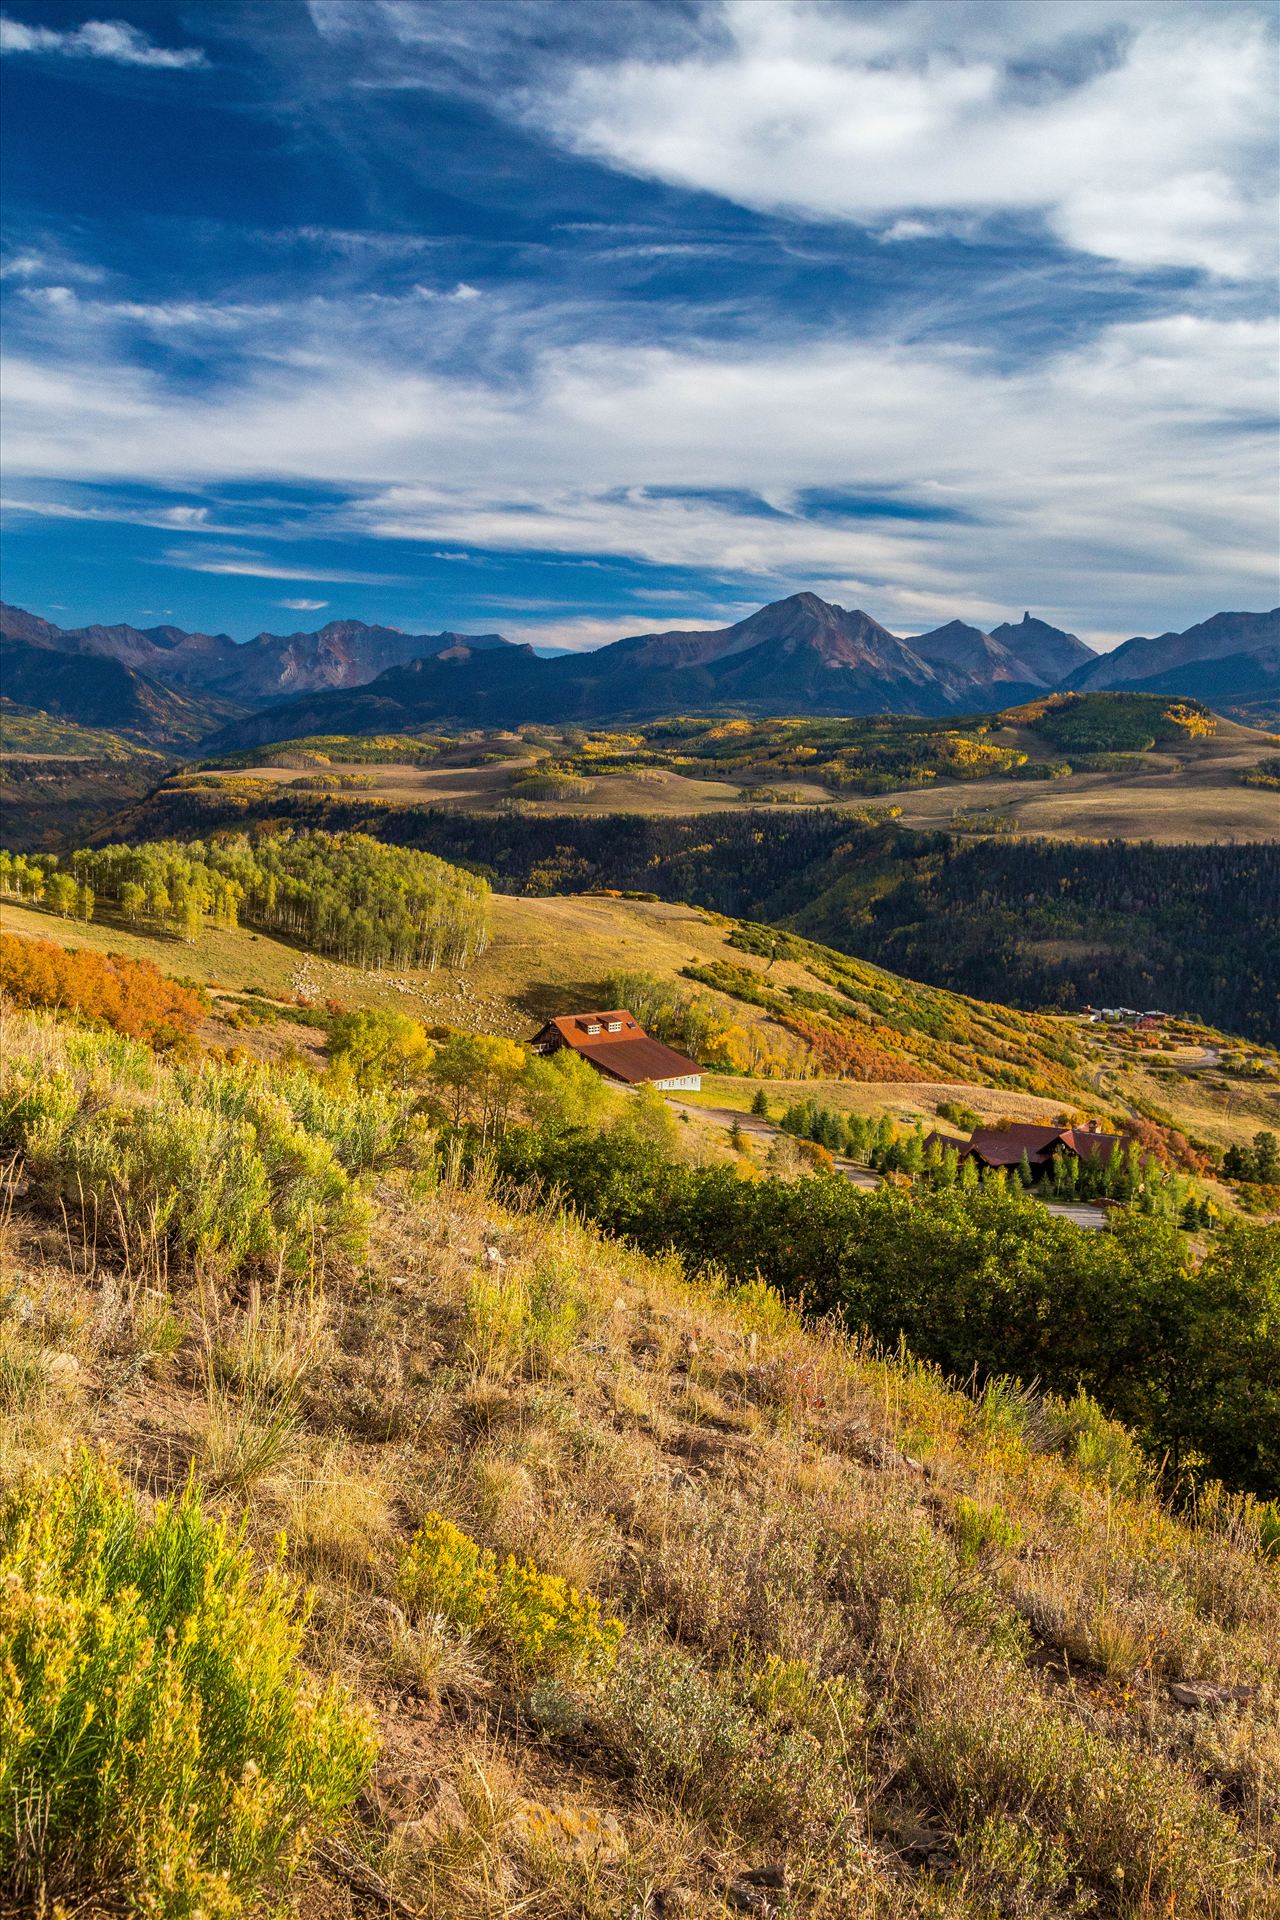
pixel 1034 923
pixel 345 894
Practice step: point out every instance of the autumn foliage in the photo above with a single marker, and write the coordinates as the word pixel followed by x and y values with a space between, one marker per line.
pixel 133 996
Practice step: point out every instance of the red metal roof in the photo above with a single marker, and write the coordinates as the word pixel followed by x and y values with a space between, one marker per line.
pixel 1005 1146
pixel 637 1060
pixel 627 1054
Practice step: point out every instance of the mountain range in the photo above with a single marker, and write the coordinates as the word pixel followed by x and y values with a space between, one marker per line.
pixel 797 655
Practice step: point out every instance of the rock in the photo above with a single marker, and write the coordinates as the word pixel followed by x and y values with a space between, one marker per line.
pixel 1206 1693
pixel 775 1877
pixel 743 1897
pixel 445 1817
pixel 581 1833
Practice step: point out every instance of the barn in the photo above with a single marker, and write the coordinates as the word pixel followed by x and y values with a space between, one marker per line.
pixel 616 1045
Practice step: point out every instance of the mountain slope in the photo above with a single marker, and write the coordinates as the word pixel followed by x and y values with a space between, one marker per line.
pixel 97 691
pixel 1240 649
pixel 797 655
pixel 968 650
pixel 344 653
pixel 895 1647
pixel 1050 652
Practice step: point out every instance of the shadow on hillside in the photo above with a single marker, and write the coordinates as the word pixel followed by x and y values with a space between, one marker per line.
pixel 545 999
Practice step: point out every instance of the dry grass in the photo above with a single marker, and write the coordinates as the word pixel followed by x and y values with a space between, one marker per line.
pixel 1188 793
pixel 883 1639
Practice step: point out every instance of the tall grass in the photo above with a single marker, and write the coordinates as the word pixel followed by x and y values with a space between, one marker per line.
pixel 161 1742
pixel 219 1165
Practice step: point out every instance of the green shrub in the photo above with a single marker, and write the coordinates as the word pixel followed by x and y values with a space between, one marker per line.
pixel 544 1624
pixel 1099 1448
pixel 224 1163
pixel 161 1742
pixel 982 1531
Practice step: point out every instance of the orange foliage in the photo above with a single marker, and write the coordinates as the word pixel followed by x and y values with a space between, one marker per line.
pixel 133 996
pixel 1167 1143
pixel 851 1057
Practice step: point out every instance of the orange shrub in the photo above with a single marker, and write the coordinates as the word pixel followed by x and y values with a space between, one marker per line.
pixel 133 996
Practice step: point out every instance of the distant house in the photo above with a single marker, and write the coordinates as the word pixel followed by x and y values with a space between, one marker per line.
pixel 1004 1146
pixel 616 1045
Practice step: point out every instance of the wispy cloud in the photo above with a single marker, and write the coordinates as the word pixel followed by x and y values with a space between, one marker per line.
pixel 303 606
pixel 253 567
pixel 184 519
pixel 97 40
pixel 1102 479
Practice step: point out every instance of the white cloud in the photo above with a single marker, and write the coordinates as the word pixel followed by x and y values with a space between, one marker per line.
pixel 1160 151
pixel 463 291
pixel 96 40
pixel 253 567
pixel 1116 484
pixel 171 519
pixel 303 606
pixel 580 633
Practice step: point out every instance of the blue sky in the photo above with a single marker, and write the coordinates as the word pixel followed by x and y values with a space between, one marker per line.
pixel 574 320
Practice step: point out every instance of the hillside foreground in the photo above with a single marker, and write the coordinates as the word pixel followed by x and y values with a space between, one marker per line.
pixel 867 1645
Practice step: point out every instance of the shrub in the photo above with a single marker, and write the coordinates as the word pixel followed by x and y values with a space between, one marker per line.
pixel 223 1164
pixel 543 1623
pixel 161 1741
pixel 443 1571
pixel 723 1751
pixel 133 996
pixel 981 1531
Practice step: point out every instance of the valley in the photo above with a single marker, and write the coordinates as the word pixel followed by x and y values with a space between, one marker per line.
pixel 1177 784
pixel 639 960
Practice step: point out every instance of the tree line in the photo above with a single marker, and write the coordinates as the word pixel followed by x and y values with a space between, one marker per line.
pixel 346 894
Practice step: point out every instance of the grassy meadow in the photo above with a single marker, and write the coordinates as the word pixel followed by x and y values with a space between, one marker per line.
pixel 1186 785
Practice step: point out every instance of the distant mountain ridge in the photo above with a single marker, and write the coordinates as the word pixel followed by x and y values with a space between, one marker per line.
pixel 97 691
pixel 798 655
pixel 1240 646
pixel 271 666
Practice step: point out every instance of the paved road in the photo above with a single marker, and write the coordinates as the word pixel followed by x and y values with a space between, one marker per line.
pixel 1078 1210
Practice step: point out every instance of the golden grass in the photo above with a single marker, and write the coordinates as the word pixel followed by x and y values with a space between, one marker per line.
pixel 1191 794
pixel 1188 793
pixel 882 1638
